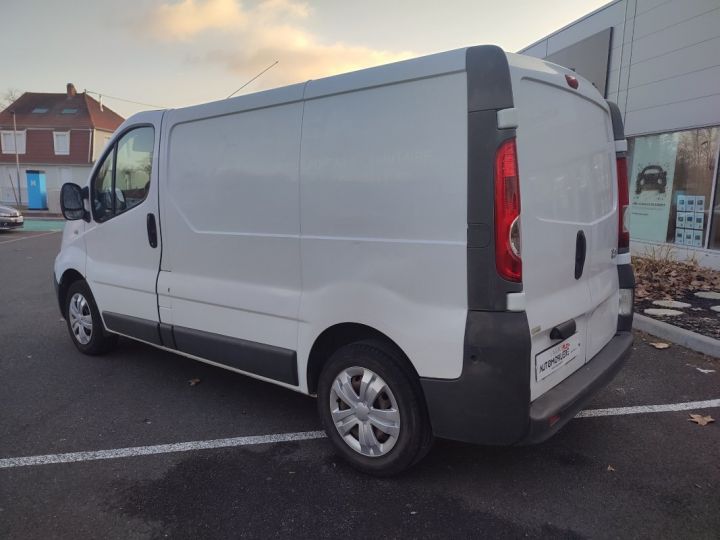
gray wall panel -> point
(683, 115)
(694, 58)
(687, 87)
(670, 14)
(612, 15)
(647, 5)
(588, 57)
(680, 35)
(613, 81)
(615, 55)
(539, 50)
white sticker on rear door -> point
(552, 359)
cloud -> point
(189, 18)
(245, 40)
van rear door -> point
(568, 190)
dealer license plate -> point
(554, 358)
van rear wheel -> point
(372, 409)
(84, 323)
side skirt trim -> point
(260, 359)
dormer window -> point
(40, 110)
(68, 111)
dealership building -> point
(659, 60)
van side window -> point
(132, 168)
(102, 197)
(123, 180)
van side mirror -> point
(71, 202)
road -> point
(651, 475)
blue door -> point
(37, 192)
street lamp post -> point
(17, 159)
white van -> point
(358, 238)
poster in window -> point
(651, 186)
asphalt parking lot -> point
(623, 475)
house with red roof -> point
(54, 136)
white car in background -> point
(10, 218)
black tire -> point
(415, 434)
(100, 340)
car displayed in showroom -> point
(10, 218)
(652, 177)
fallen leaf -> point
(660, 345)
(194, 382)
(701, 420)
(611, 468)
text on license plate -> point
(552, 359)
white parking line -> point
(158, 449)
(29, 237)
(641, 409)
(134, 451)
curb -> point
(680, 336)
(43, 216)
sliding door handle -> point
(152, 230)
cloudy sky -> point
(172, 53)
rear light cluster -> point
(507, 213)
(623, 203)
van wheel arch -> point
(339, 335)
(69, 277)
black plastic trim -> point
(260, 359)
(56, 285)
(489, 90)
(488, 78)
(489, 403)
(626, 280)
(617, 122)
(134, 327)
(618, 135)
(166, 336)
(560, 404)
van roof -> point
(405, 70)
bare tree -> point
(8, 96)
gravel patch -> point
(703, 317)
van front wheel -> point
(372, 410)
(84, 322)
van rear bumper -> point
(560, 404)
(490, 402)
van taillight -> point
(623, 203)
(507, 213)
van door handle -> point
(580, 251)
(152, 230)
(564, 330)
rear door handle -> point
(152, 230)
(580, 251)
(564, 330)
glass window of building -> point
(671, 182)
